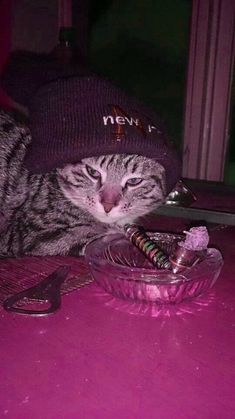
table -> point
(104, 358)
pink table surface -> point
(104, 358)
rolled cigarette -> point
(147, 246)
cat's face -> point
(114, 188)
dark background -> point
(143, 46)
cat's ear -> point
(64, 171)
(60, 171)
(67, 168)
(160, 170)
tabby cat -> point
(59, 212)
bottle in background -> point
(65, 51)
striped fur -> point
(59, 212)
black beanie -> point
(77, 117)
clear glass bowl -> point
(122, 270)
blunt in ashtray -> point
(149, 247)
(190, 251)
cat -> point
(58, 213)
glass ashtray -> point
(122, 270)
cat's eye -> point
(95, 174)
(134, 181)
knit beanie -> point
(73, 118)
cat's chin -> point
(118, 220)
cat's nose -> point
(108, 206)
(109, 198)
